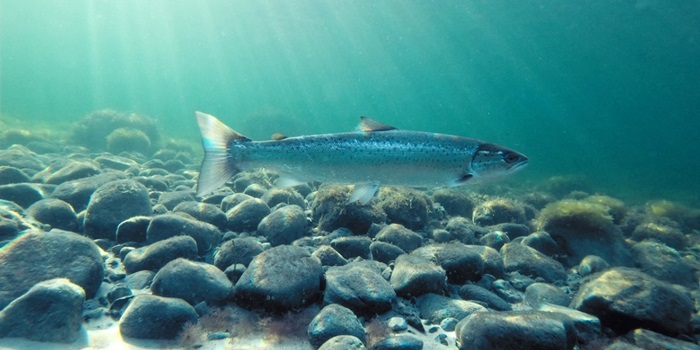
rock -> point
(237, 251)
(78, 192)
(352, 246)
(172, 199)
(111, 161)
(400, 236)
(534, 330)
(154, 256)
(530, 262)
(434, 308)
(72, 171)
(38, 256)
(494, 239)
(542, 242)
(414, 276)
(463, 262)
(255, 190)
(165, 226)
(540, 293)
(472, 292)
(284, 225)
(12, 175)
(283, 195)
(667, 235)
(399, 342)
(591, 264)
(405, 206)
(279, 279)
(587, 326)
(24, 194)
(397, 324)
(139, 280)
(646, 339)
(625, 299)
(54, 212)
(664, 263)
(329, 256)
(133, 229)
(583, 228)
(361, 289)
(506, 291)
(498, 211)
(232, 200)
(128, 140)
(192, 281)
(246, 215)
(343, 342)
(203, 212)
(384, 252)
(113, 203)
(512, 230)
(334, 320)
(331, 210)
(154, 317)
(464, 231)
(50, 311)
(455, 203)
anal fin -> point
(363, 193)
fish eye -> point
(511, 157)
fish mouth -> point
(517, 166)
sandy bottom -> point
(111, 339)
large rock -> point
(358, 288)
(334, 320)
(529, 330)
(154, 256)
(246, 216)
(192, 281)
(414, 276)
(73, 171)
(583, 228)
(463, 262)
(435, 308)
(205, 212)
(400, 236)
(78, 192)
(625, 299)
(530, 262)
(113, 203)
(54, 212)
(237, 251)
(663, 262)
(165, 226)
(280, 279)
(482, 295)
(24, 194)
(38, 256)
(51, 311)
(284, 225)
(154, 317)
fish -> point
(372, 155)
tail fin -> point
(217, 166)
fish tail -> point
(218, 165)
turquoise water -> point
(606, 90)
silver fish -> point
(374, 154)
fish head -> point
(492, 160)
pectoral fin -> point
(363, 193)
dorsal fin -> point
(369, 125)
(277, 136)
